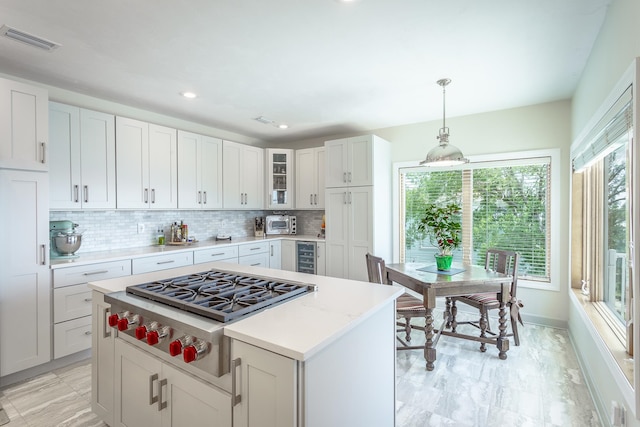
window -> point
(602, 200)
(505, 204)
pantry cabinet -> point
(358, 217)
(310, 178)
(147, 165)
(23, 126)
(25, 301)
(243, 176)
(83, 158)
(152, 393)
(199, 171)
(279, 178)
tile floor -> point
(540, 384)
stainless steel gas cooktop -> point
(220, 295)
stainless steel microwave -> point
(280, 224)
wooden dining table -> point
(463, 279)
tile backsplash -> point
(116, 229)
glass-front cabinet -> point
(279, 178)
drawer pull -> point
(87, 300)
(256, 264)
(166, 262)
(91, 273)
(255, 249)
(221, 253)
(87, 333)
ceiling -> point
(324, 67)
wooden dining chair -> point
(407, 306)
(500, 261)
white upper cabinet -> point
(310, 171)
(23, 126)
(243, 176)
(146, 165)
(279, 174)
(83, 165)
(199, 171)
(350, 161)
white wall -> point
(615, 49)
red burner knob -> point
(175, 348)
(113, 320)
(190, 354)
(141, 332)
(152, 337)
(123, 324)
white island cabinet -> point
(313, 361)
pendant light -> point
(444, 154)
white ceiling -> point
(322, 66)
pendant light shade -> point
(444, 154)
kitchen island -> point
(316, 360)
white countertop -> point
(85, 258)
(298, 328)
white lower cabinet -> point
(275, 254)
(268, 388)
(255, 254)
(288, 255)
(321, 262)
(152, 393)
(161, 262)
(102, 360)
(225, 253)
(72, 303)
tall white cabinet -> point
(146, 165)
(242, 176)
(358, 204)
(199, 171)
(23, 126)
(83, 158)
(310, 179)
(25, 302)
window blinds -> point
(606, 135)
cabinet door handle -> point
(350, 197)
(153, 195)
(271, 250)
(43, 254)
(235, 398)
(146, 195)
(76, 194)
(165, 262)
(161, 404)
(199, 197)
(344, 198)
(315, 199)
(106, 330)
(349, 175)
(86, 193)
(310, 199)
(87, 333)
(43, 147)
(87, 300)
(91, 273)
(152, 399)
(344, 177)
(204, 194)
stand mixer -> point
(65, 240)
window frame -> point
(554, 216)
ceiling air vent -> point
(30, 39)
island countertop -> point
(298, 328)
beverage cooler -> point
(306, 257)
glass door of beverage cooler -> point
(280, 170)
(306, 257)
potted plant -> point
(442, 224)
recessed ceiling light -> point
(189, 95)
(283, 126)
